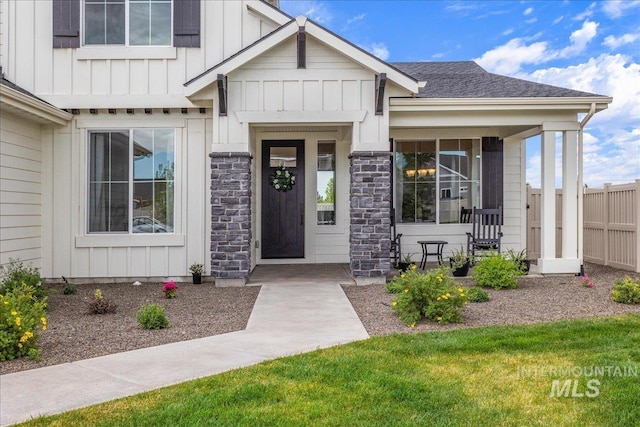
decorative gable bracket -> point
(381, 81)
(222, 94)
(302, 47)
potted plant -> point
(520, 259)
(196, 272)
(406, 263)
(459, 262)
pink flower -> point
(169, 286)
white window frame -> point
(437, 177)
(126, 30)
(130, 129)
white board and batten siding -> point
(117, 76)
(20, 190)
(74, 252)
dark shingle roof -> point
(466, 79)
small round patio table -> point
(439, 246)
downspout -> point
(583, 122)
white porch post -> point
(548, 202)
(570, 196)
(568, 262)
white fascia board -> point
(579, 104)
(269, 12)
(234, 62)
(22, 102)
(363, 58)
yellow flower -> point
(438, 299)
(18, 321)
(439, 319)
(6, 303)
(26, 336)
(413, 266)
(448, 294)
(413, 325)
(19, 345)
(44, 328)
(403, 275)
(439, 278)
(43, 320)
(406, 290)
(394, 303)
(14, 313)
(460, 290)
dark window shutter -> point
(186, 23)
(492, 172)
(66, 23)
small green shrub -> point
(69, 289)
(152, 316)
(626, 291)
(433, 295)
(22, 317)
(496, 271)
(477, 295)
(99, 304)
(16, 274)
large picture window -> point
(127, 22)
(131, 181)
(435, 179)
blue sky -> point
(593, 46)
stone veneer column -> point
(230, 218)
(370, 220)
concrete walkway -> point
(289, 317)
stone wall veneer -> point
(370, 215)
(231, 215)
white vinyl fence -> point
(611, 225)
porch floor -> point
(301, 273)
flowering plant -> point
(169, 289)
(434, 295)
(586, 281)
(282, 179)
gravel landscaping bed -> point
(73, 334)
(537, 299)
(204, 310)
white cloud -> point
(580, 39)
(612, 75)
(315, 10)
(438, 55)
(528, 11)
(531, 20)
(507, 31)
(615, 9)
(615, 42)
(557, 20)
(510, 57)
(377, 49)
(356, 18)
(587, 13)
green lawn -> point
(470, 377)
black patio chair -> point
(486, 231)
(465, 215)
(396, 245)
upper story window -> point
(127, 22)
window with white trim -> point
(128, 22)
(449, 168)
(131, 181)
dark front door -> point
(282, 211)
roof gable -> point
(288, 30)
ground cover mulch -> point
(537, 299)
(197, 311)
(205, 310)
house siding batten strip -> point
(370, 216)
(230, 218)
